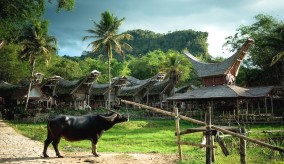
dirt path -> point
(15, 148)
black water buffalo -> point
(76, 128)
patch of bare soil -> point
(15, 148)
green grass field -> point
(157, 136)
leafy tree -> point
(120, 68)
(268, 36)
(106, 33)
(277, 40)
(12, 70)
(35, 44)
(171, 62)
(176, 66)
(67, 69)
(148, 65)
(16, 14)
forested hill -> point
(145, 41)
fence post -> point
(243, 146)
(208, 135)
(178, 134)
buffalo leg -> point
(55, 146)
(46, 143)
(94, 148)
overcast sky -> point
(220, 18)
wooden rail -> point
(203, 123)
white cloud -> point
(216, 39)
(219, 18)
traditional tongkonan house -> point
(220, 92)
(99, 92)
(220, 73)
(14, 96)
(75, 94)
(6, 90)
(159, 92)
(48, 88)
(137, 89)
(19, 96)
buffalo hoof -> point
(45, 155)
(60, 156)
(96, 154)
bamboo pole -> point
(203, 123)
(164, 112)
(178, 134)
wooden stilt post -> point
(238, 110)
(265, 103)
(247, 111)
(208, 135)
(243, 145)
(271, 101)
(178, 134)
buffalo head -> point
(114, 117)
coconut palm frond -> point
(127, 47)
(277, 58)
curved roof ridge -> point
(210, 69)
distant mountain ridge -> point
(145, 41)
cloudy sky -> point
(220, 18)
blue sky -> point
(220, 18)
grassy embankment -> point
(157, 136)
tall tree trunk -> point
(30, 85)
(109, 85)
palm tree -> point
(106, 33)
(174, 67)
(36, 43)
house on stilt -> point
(228, 101)
(71, 94)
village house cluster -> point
(228, 101)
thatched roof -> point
(160, 87)
(6, 88)
(223, 91)
(213, 69)
(183, 89)
(134, 90)
(21, 93)
(134, 81)
(135, 86)
(65, 87)
(101, 89)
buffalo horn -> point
(110, 118)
